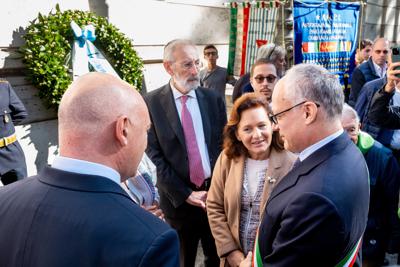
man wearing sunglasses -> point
(374, 68)
(263, 78)
(317, 214)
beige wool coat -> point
(224, 197)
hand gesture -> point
(391, 73)
(247, 261)
(198, 198)
(155, 209)
(235, 258)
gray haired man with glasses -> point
(184, 141)
(317, 214)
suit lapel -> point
(168, 104)
(310, 163)
(204, 110)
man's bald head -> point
(380, 51)
(95, 99)
(93, 111)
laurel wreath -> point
(47, 52)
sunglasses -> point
(385, 52)
(260, 79)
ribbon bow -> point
(87, 34)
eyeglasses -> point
(385, 52)
(214, 53)
(260, 79)
(190, 64)
(274, 117)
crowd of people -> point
(293, 176)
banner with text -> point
(326, 34)
(251, 25)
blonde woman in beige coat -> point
(252, 163)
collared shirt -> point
(381, 71)
(85, 167)
(311, 149)
(395, 142)
(194, 109)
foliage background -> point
(48, 48)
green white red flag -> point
(251, 25)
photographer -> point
(385, 106)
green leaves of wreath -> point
(48, 48)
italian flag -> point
(347, 261)
(317, 47)
(251, 25)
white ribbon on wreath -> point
(85, 53)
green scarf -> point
(365, 142)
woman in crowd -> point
(251, 164)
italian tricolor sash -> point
(347, 261)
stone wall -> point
(149, 23)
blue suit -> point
(361, 75)
(318, 212)
(60, 218)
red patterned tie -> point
(195, 164)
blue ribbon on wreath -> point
(83, 35)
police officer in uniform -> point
(12, 158)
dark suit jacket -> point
(11, 157)
(381, 134)
(167, 149)
(365, 72)
(382, 113)
(318, 212)
(60, 218)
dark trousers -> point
(12, 176)
(190, 233)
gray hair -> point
(351, 112)
(271, 52)
(171, 46)
(314, 83)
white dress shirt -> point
(194, 109)
(85, 167)
(311, 149)
(381, 71)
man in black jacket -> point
(381, 112)
(373, 69)
(12, 158)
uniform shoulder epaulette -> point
(3, 80)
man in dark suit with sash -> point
(184, 142)
(317, 214)
(75, 213)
